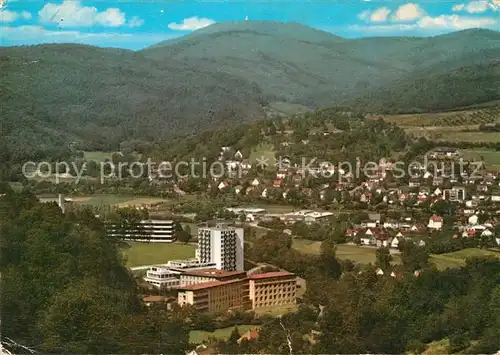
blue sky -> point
(138, 24)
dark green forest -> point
(65, 288)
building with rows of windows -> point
(255, 292)
(151, 230)
(223, 246)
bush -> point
(458, 342)
(416, 346)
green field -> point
(344, 251)
(117, 200)
(453, 134)
(452, 119)
(157, 253)
(199, 336)
(457, 258)
(263, 153)
(365, 255)
(491, 157)
(97, 156)
(16, 186)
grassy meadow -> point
(491, 157)
(264, 152)
(452, 126)
(138, 254)
(366, 255)
(97, 156)
(200, 336)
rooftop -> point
(206, 285)
(270, 275)
(213, 272)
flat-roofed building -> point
(215, 296)
(272, 289)
(192, 277)
(162, 277)
(151, 230)
(169, 275)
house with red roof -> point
(435, 222)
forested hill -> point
(292, 62)
(57, 95)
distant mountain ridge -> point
(229, 73)
(301, 68)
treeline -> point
(65, 288)
(420, 92)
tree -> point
(328, 263)
(413, 257)
(384, 258)
(235, 335)
(182, 234)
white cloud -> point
(135, 22)
(455, 22)
(380, 15)
(191, 24)
(458, 7)
(384, 28)
(26, 15)
(37, 34)
(477, 7)
(365, 15)
(438, 24)
(7, 16)
(71, 13)
(408, 12)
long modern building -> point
(272, 289)
(257, 291)
(215, 296)
(151, 230)
(223, 246)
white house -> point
(486, 233)
(395, 242)
(264, 193)
(435, 222)
(255, 182)
(238, 155)
(222, 185)
(473, 219)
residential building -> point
(250, 335)
(223, 246)
(272, 289)
(215, 296)
(454, 194)
(435, 222)
(151, 230)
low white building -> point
(162, 277)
